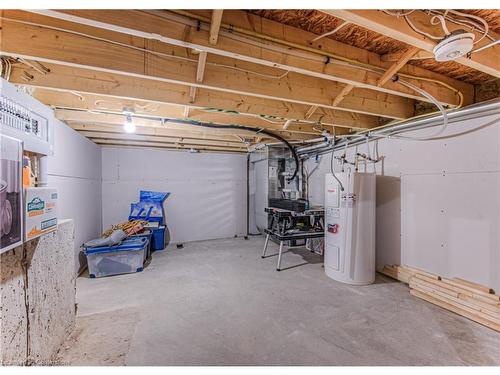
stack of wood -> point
(471, 300)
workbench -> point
(286, 225)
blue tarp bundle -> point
(150, 207)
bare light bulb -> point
(129, 126)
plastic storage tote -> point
(128, 257)
(148, 235)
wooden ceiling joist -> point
(200, 72)
(225, 67)
(486, 61)
(389, 73)
(163, 140)
(293, 37)
(156, 145)
(85, 117)
(396, 56)
(310, 112)
(96, 104)
(52, 47)
(342, 94)
(157, 132)
(270, 54)
(116, 85)
(215, 25)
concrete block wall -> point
(37, 292)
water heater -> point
(350, 227)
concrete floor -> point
(218, 303)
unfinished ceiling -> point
(270, 69)
(320, 23)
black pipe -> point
(248, 128)
(248, 194)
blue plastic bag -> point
(150, 207)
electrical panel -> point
(22, 119)
(25, 118)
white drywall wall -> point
(75, 170)
(438, 202)
(208, 190)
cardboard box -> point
(40, 213)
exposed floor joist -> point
(94, 135)
(159, 132)
(84, 117)
(97, 104)
(342, 94)
(271, 54)
(230, 67)
(200, 72)
(121, 143)
(389, 73)
(486, 61)
(115, 85)
(51, 47)
(294, 38)
(215, 26)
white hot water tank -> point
(350, 227)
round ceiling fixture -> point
(453, 46)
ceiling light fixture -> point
(128, 125)
(453, 46)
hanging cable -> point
(466, 15)
(469, 24)
(396, 14)
(343, 24)
(414, 28)
(485, 46)
(440, 19)
(433, 100)
(332, 169)
(248, 128)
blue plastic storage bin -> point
(128, 257)
(159, 238)
(148, 235)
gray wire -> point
(331, 163)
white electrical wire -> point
(410, 23)
(436, 103)
(343, 24)
(485, 24)
(469, 24)
(440, 19)
(485, 46)
(396, 14)
(332, 168)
